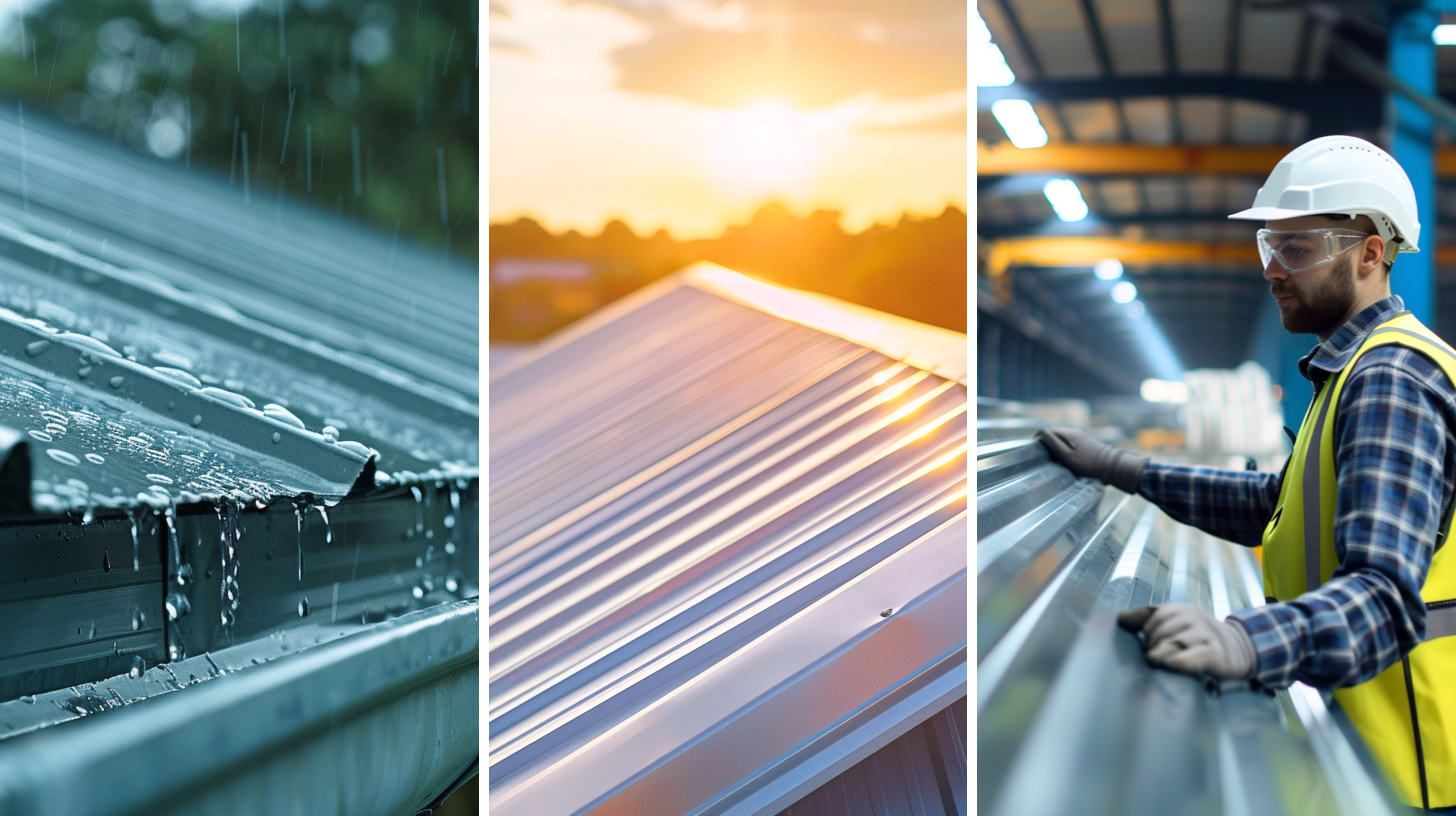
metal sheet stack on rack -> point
(1063, 694)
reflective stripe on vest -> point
(1407, 713)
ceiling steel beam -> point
(1086, 251)
(1080, 251)
(1147, 160)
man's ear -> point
(1372, 255)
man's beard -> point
(1323, 309)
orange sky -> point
(690, 114)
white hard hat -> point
(1341, 174)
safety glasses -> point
(1299, 250)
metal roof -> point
(727, 550)
(165, 340)
(1063, 694)
(238, 496)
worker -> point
(1361, 594)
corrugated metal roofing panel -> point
(193, 385)
(709, 516)
(1063, 694)
(157, 351)
(285, 265)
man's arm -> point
(1391, 447)
(1231, 504)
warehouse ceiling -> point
(1210, 93)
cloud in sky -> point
(810, 53)
(579, 136)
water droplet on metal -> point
(196, 420)
(277, 437)
(40, 436)
(96, 458)
(117, 381)
(37, 348)
(303, 607)
(63, 457)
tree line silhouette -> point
(915, 268)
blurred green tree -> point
(366, 107)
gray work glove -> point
(1082, 453)
(1186, 638)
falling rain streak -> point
(358, 173)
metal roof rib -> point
(725, 511)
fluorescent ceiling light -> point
(1124, 292)
(990, 64)
(1108, 269)
(1444, 35)
(1066, 199)
(1018, 118)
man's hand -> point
(1082, 453)
(1187, 639)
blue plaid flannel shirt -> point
(1395, 464)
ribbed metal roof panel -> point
(679, 491)
(163, 341)
(1063, 694)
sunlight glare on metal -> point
(990, 64)
(1124, 292)
(884, 376)
(1018, 118)
(1066, 199)
(899, 388)
(1444, 34)
(1107, 269)
(1170, 391)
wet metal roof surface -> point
(166, 339)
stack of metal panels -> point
(727, 559)
(1064, 694)
(237, 532)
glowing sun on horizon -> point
(765, 149)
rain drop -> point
(37, 348)
(117, 381)
(105, 561)
(40, 436)
(96, 458)
(303, 607)
(63, 457)
(277, 437)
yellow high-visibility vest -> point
(1407, 713)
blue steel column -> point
(1413, 59)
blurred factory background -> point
(1114, 137)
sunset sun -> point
(761, 150)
